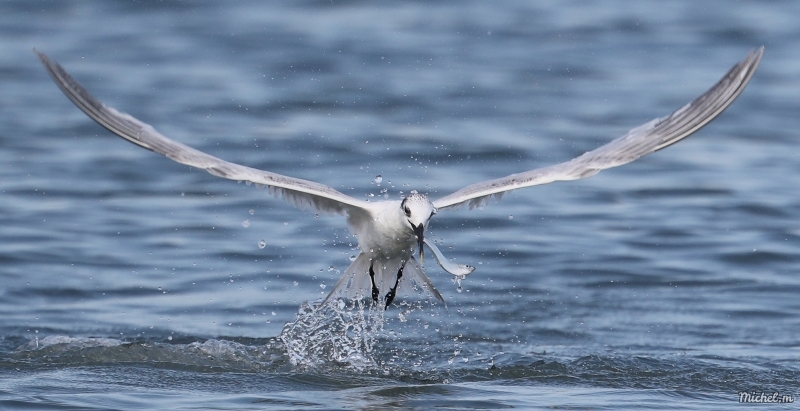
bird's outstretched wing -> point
(300, 193)
(642, 140)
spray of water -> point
(339, 332)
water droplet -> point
(246, 223)
(511, 217)
(378, 179)
(273, 313)
(352, 258)
(169, 338)
(262, 244)
(252, 211)
(295, 283)
(322, 286)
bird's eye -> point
(407, 211)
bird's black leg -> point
(375, 292)
(390, 294)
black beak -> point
(419, 231)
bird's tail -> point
(356, 282)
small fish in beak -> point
(456, 269)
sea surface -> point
(130, 282)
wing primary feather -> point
(640, 141)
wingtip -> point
(750, 64)
(42, 57)
(755, 56)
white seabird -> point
(388, 231)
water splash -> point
(458, 280)
(339, 332)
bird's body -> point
(388, 245)
(388, 232)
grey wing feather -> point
(298, 192)
(645, 139)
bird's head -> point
(418, 210)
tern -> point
(389, 231)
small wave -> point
(75, 342)
(211, 354)
(309, 348)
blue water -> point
(128, 281)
